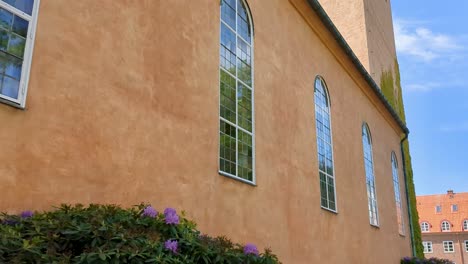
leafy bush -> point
(408, 260)
(110, 234)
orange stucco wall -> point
(123, 108)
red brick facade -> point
(451, 208)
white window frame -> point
(466, 245)
(373, 222)
(447, 245)
(427, 245)
(445, 226)
(327, 94)
(465, 225)
(396, 187)
(237, 126)
(20, 102)
(425, 227)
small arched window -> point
(396, 187)
(424, 227)
(445, 226)
(370, 179)
(324, 145)
(465, 226)
(237, 148)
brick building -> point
(444, 225)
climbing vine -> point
(395, 97)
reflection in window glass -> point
(370, 179)
(448, 246)
(324, 145)
(396, 187)
(236, 91)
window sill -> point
(12, 104)
(237, 178)
(329, 210)
(375, 226)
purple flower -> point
(250, 249)
(149, 211)
(169, 211)
(27, 214)
(171, 217)
(171, 245)
(10, 222)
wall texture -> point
(123, 108)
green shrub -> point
(110, 234)
(408, 260)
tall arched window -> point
(396, 187)
(424, 227)
(236, 154)
(324, 145)
(370, 179)
(445, 226)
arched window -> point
(324, 145)
(396, 187)
(445, 226)
(424, 227)
(236, 92)
(370, 179)
(465, 225)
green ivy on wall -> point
(395, 97)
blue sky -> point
(432, 48)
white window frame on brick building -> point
(15, 59)
(427, 245)
(448, 247)
(465, 225)
(425, 227)
(445, 226)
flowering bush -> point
(408, 260)
(110, 234)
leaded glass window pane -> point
(324, 146)
(236, 92)
(370, 179)
(396, 187)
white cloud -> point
(421, 42)
(422, 87)
(460, 127)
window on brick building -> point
(438, 209)
(424, 227)
(466, 245)
(427, 245)
(17, 28)
(448, 247)
(324, 145)
(370, 179)
(465, 225)
(454, 208)
(445, 226)
(237, 148)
